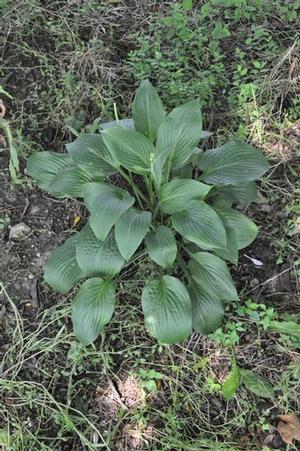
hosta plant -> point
(171, 201)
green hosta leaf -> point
(233, 163)
(167, 308)
(93, 189)
(124, 123)
(257, 384)
(159, 163)
(231, 252)
(180, 133)
(92, 309)
(130, 230)
(148, 110)
(62, 271)
(130, 148)
(200, 224)
(245, 229)
(89, 152)
(96, 257)
(230, 386)
(207, 313)
(175, 195)
(161, 246)
(157, 167)
(237, 194)
(106, 209)
(43, 166)
(213, 276)
(69, 182)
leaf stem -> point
(116, 113)
(139, 194)
(169, 165)
(150, 189)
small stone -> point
(254, 283)
(19, 231)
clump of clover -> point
(180, 212)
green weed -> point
(224, 62)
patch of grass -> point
(64, 65)
(240, 58)
(35, 415)
(50, 385)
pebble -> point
(19, 231)
(254, 283)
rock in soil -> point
(19, 232)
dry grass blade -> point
(2, 109)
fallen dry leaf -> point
(2, 108)
(289, 428)
(77, 219)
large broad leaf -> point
(233, 163)
(231, 252)
(62, 271)
(237, 194)
(106, 209)
(213, 276)
(89, 152)
(167, 309)
(93, 189)
(158, 165)
(196, 156)
(96, 257)
(257, 384)
(200, 224)
(130, 148)
(175, 195)
(148, 110)
(180, 133)
(43, 166)
(245, 229)
(92, 309)
(70, 182)
(207, 312)
(130, 231)
(230, 386)
(124, 123)
(161, 246)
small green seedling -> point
(175, 203)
